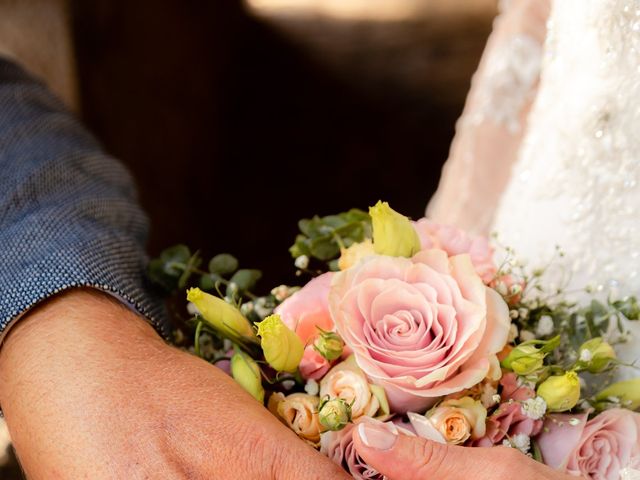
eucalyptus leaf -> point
(208, 282)
(173, 258)
(223, 264)
(246, 279)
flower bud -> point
(393, 234)
(595, 355)
(221, 315)
(329, 345)
(560, 392)
(524, 360)
(282, 348)
(334, 414)
(625, 393)
(356, 252)
(246, 372)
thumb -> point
(401, 457)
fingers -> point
(401, 457)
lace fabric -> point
(489, 133)
(568, 173)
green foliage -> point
(243, 281)
(223, 264)
(177, 268)
(322, 237)
(173, 268)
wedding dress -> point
(548, 149)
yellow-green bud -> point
(329, 345)
(393, 234)
(282, 348)
(221, 315)
(625, 393)
(334, 414)
(524, 360)
(595, 355)
(246, 372)
(560, 392)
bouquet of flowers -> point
(413, 324)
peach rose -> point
(299, 412)
(304, 311)
(456, 242)
(346, 381)
(607, 447)
(421, 328)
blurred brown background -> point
(237, 119)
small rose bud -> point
(282, 348)
(334, 414)
(246, 372)
(329, 345)
(524, 360)
(626, 392)
(393, 233)
(221, 315)
(560, 392)
(595, 355)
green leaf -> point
(246, 279)
(223, 264)
(173, 258)
(208, 282)
(629, 307)
(333, 265)
(324, 249)
(157, 275)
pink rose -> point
(602, 449)
(303, 312)
(456, 242)
(511, 390)
(422, 327)
(313, 365)
(506, 422)
(338, 446)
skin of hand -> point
(401, 457)
(89, 390)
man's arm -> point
(88, 388)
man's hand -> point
(90, 391)
(400, 457)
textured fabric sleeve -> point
(68, 211)
(490, 131)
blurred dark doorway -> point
(237, 123)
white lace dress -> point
(559, 162)
(576, 181)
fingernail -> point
(377, 436)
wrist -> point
(74, 326)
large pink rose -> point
(422, 327)
(456, 242)
(303, 312)
(602, 449)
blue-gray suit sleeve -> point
(68, 211)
